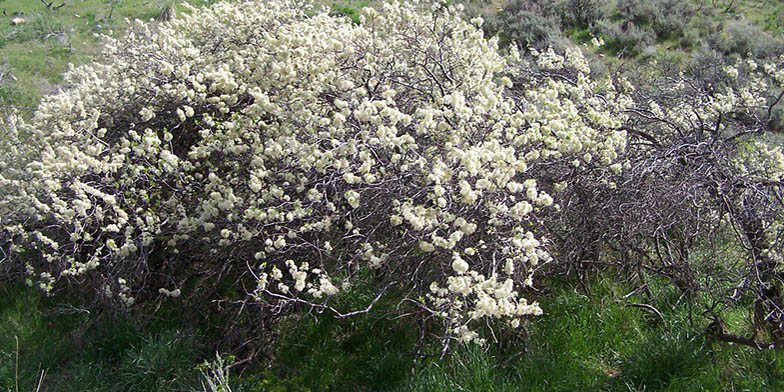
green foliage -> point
(742, 38)
(351, 9)
(637, 24)
(529, 23)
(628, 38)
(774, 19)
(469, 368)
(639, 12)
(582, 14)
(595, 342)
(666, 18)
(633, 27)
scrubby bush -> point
(582, 13)
(528, 23)
(744, 39)
(674, 18)
(539, 24)
(667, 18)
(626, 38)
(639, 12)
(699, 201)
(291, 156)
(691, 39)
(637, 24)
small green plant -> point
(215, 374)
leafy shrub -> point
(529, 23)
(674, 18)
(269, 159)
(691, 39)
(774, 21)
(639, 12)
(582, 13)
(661, 19)
(742, 38)
(699, 199)
(538, 23)
(625, 38)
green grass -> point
(327, 354)
(582, 342)
(599, 343)
(87, 352)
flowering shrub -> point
(302, 154)
(699, 198)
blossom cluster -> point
(305, 150)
